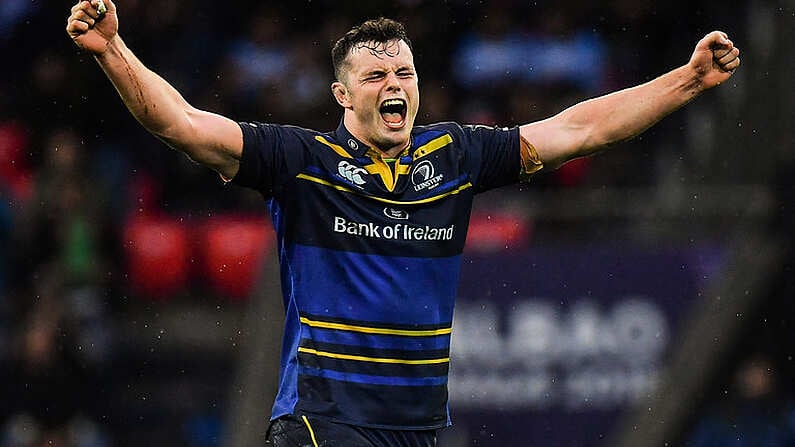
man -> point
(371, 218)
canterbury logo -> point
(351, 173)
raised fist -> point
(715, 59)
(93, 25)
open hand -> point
(715, 59)
(89, 29)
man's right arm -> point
(207, 138)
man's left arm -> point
(595, 124)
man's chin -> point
(393, 139)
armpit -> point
(531, 162)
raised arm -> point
(595, 124)
(207, 138)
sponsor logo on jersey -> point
(394, 213)
(423, 176)
(351, 173)
(398, 231)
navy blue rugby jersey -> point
(370, 256)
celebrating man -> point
(371, 218)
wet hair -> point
(376, 35)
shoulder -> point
(461, 129)
(272, 128)
(429, 132)
(444, 126)
(270, 136)
(466, 135)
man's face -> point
(380, 94)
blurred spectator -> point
(754, 416)
(259, 63)
(57, 354)
(6, 227)
(15, 172)
(61, 343)
(63, 222)
(501, 53)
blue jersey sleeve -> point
(491, 156)
(272, 155)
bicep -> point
(555, 139)
(215, 141)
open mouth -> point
(393, 112)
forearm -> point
(626, 113)
(597, 123)
(207, 138)
(150, 99)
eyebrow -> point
(380, 71)
(374, 72)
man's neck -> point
(390, 152)
(394, 152)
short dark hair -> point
(379, 31)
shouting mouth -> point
(393, 113)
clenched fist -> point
(715, 59)
(90, 28)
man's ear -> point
(340, 93)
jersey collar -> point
(353, 145)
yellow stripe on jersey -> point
(311, 432)
(401, 169)
(381, 168)
(376, 330)
(433, 145)
(381, 199)
(337, 148)
(362, 358)
(389, 173)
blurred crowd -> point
(76, 169)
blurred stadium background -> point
(639, 298)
